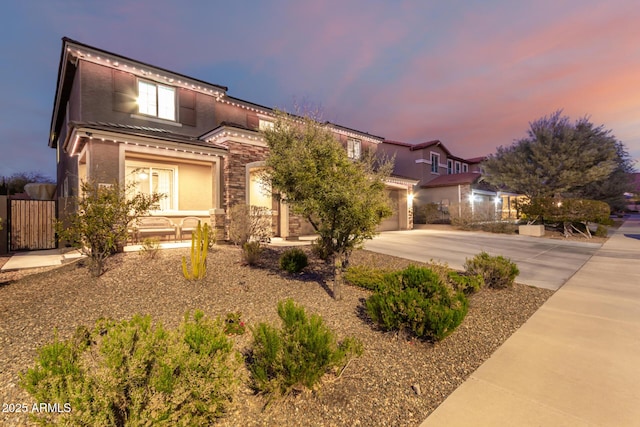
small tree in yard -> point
(100, 224)
(344, 200)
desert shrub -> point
(150, 247)
(99, 226)
(293, 260)
(418, 301)
(249, 224)
(319, 249)
(297, 355)
(233, 325)
(601, 231)
(365, 277)
(497, 271)
(427, 213)
(251, 252)
(136, 373)
(503, 227)
(466, 283)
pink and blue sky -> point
(472, 74)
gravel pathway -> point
(378, 388)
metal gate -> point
(32, 224)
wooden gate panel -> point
(32, 224)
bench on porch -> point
(156, 226)
(188, 225)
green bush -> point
(497, 271)
(293, 260)
(136, 373)
(365, 277)
(319, 249)
(150, 247)
(466, 283)
(251, 252)
(297, 355)
(601, 231)
(99, 227)
(417, 300)
(233, 325)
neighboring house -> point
(446, 180)
(116, 119)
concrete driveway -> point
(544, 263)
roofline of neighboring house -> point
(421, 145)
(464, 178)
(436, 142)
(402, 179)
(476, 160)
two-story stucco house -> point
(116, 119)
(446, 180)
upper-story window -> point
(156, 100)
(435, 160)
(457, 167)
(449, 166)
(265, 124)
(354, 148)
(465, 167)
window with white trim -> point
(449, 166)
(465, 167)
(435, 160)
(149, 179)
(457, 167)
(265, 124)
(354, 148)
(156, 100)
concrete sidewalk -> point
(575, 362)
(36, 259)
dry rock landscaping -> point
(398, 381)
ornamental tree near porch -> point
(343, 199)
(99, 226)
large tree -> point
(344, 200)
(557, 157)
(611, 189)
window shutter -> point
(124, 92)
(253, 122)
(187, 102)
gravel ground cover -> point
(397, 381)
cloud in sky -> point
(470, 73)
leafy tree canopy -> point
(344, 200)
(611, 190)
(557, 157)
(15, 183)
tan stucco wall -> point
(195, 187)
